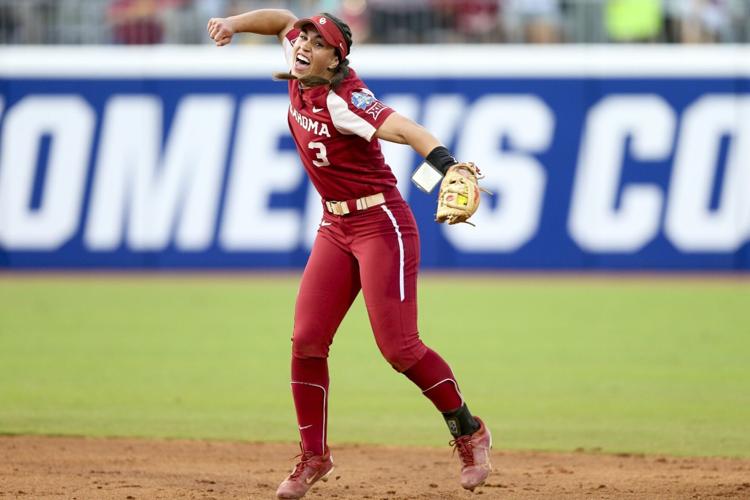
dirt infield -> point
(128, 469)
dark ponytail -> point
(342, 70)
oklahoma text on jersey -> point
(309, 124)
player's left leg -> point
(388, 256)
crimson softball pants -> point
(376, 251)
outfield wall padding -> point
(600, 157)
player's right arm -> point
(276, 22)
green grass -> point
(627, 366)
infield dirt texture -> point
(46, 467)
(625, 387)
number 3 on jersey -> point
(322, 160)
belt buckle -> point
(336, 207)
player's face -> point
(313, 56)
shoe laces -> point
(304, 460)
(465, 449)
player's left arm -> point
(459, 192)
(401, 130)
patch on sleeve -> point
(366, 101)
(362, 99)
(375, 110)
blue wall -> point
(589, 173)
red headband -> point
(329, 31)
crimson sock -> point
(433, 375)
(310, 393)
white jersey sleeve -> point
(357, 112)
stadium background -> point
(177, 156)
(616, 135)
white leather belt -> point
(348, 206)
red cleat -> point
(474, 452)
(307, 472)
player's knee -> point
(309, 343)
(399, 357)
(401, 350)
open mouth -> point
(301, 63)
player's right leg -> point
(329, 285)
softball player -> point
(367, 239)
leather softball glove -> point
(459, 194)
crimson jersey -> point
(333, 130)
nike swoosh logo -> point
(317, 110)
(305, 427)
(311, 480)
(324, 223)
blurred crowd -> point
(387, 21)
